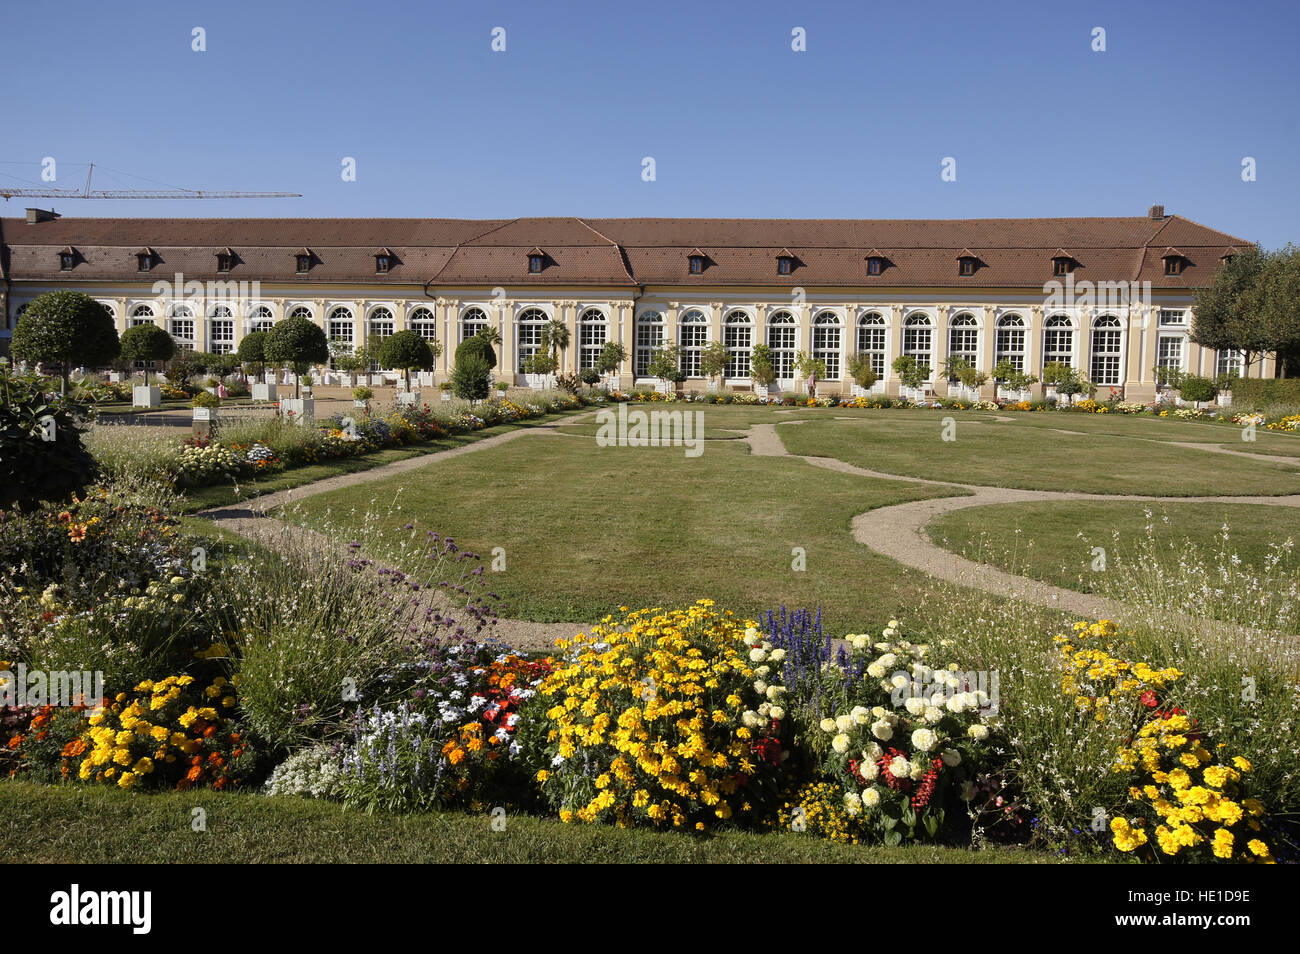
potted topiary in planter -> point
(612, 356)
(912, 376)
(361, 397)
(810, 369)
(445, 388)
(863, 374)
(204, 406)
(762, 370)
(1197, 390)
(539, 370)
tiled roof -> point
(620, 252)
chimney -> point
(41, 215)
(1157, 212)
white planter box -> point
(264, 392)
(664, 387)
(143, 396)
(301, 409)
(364, 404)
(205, 414)
(612, 383)
(710, 386)
(1224, 399)
(115, 377)
(446, 395)
(409, 397)
(541, 382)
(1050, 393)
(424, 379)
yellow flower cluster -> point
(1097, 680)
(819, 809)
(1198, 801)
(663, 717)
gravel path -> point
(251, 519)
(898, 530)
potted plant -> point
(502, 387)
(912, 376)
(863, 374)
(589, 376)
(611, 358)
(714, 359)
(361, 397)
(1197, 390)
(204, 405)
(664, 365)
(445, 388)
(762, 370)
(539, 370)
(810, 369)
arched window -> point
(826, 342)
(1107, 350)
(593, 332)
(472, 321)
(423, 324)
(1009, 343)
(381, 324)
(649, 339)
(1058, 340)
(221, 330)
(302, 311)
(917, 340)
(872, 332)
(181, 326)
(109, 308)
(694, 336)
(140, 314)
(783, 338)
(261, 319)
(341, 327)
(530, 323)
(964, 339)
(738, 336)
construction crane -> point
(87, 193)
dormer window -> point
(966, 265)
(1062, 266)
(303, 257)
(67, 258)
(1173, 265)
(874, 265)
(534, 264)
(225, 261)
(143, 260)
(697, 264)
(381, 264)
(784, 265)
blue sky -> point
(738, 123)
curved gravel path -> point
(898, 530)
(252, 519)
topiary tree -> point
(407, 351)
(68, 327)
(476, 344)
(811, 368)
(471, 378)
(761, 366)
(147, 343)
(665, 364)
(911, 373)
(1195, 388)
(41, 453)
(714, 358)
(252, 352)
(589, 376)
(296, 343)
(862, 372)
(612, 356)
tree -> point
(471, 378)
(861, 371)
(714, 358)
(68, 327)
(761, 366)
(665, 364)
(147, 343)
(810, 368)
(911, 373)
(476, 344)
(1226, 314)
(407, 351)
(555, 338)
(347, 359)
(41, 452)
(612, 356)
(296, 343)
(489, 334)
(252, 351)
(1277, 304)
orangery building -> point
(1110, 296)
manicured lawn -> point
(218, 495)
(586, 529)
(84, 824)
(1042, 540)
(1037, 457)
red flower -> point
(1149, 699)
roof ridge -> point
(622, 257)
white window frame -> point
(919, 326)
(1105, 333)
(1011, 340)
(648, 337)
(873, 341)
(593, 332)
(1052, 352)
(530, 322)
(738, 336)
(828, 343)
(968, 326)
(783, 340)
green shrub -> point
(205, 399)
(476, 345)
(147, 343)
(66, 327)
(42, 456)
(470, 377)
(1196, 388)
(1257, 392)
